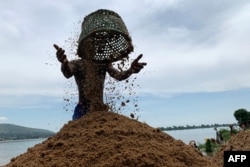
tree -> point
(242, 116)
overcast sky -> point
(197, 53)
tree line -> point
(181, 127)
(241, 115)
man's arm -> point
(122, 75)
(67, 67)
(118, 75)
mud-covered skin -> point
(90, 79)
(90, 76)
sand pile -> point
(107, 139)
(238, 142)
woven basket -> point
(109, 36)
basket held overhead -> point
(105, 32)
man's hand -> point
(136, 66)
(60, 54)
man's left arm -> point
(135, 67)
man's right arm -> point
(67, 67)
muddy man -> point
(89, 73)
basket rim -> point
(102, 11)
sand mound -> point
(106, 139)
(239, 142)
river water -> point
(197, 135)
(13, 148)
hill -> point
(104, 139)
(15, 132)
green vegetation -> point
(210, 147)
(14, 132)
(226, 134)
(243, 117)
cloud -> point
(214, 57)
(3, 119)
(189, 45)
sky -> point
(197, 55)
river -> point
(13, 148)
(197, 135)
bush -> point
(209, 147)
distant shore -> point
(16, 132)
(10, 140)
(202, 126)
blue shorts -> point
(80, 110)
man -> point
(103, 40)
(90, 76)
